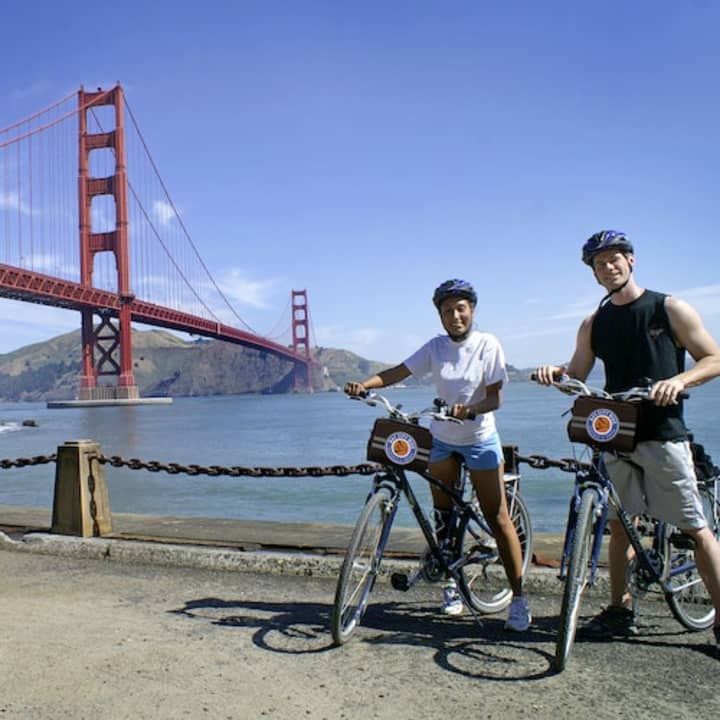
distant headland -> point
(168, 366)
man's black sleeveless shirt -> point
(635, 341)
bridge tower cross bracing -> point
(102, 345)
(301, 340)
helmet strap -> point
(612, 292)
(617, 289)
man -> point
(640, 334)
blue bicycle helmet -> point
(454, 288)
(605, 240)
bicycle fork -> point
(600, 510)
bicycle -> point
(400, 443)
(606, 423)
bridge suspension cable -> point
(177, 216)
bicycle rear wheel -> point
(361, 565)
(689, 600)
(482, 578)
(576, 578)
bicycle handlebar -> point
(438, 412)
(573, 386)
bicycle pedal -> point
(400, 582)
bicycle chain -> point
(541, 462)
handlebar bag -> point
(398, 443)
(604, 424)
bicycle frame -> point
(395, 480)
(649, 562)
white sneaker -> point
(452, 602)
(519, 617)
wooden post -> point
(81, 505)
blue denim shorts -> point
(485, 455)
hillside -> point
(165, 365)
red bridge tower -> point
(301, 340)
(101, 346)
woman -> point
(468, 368)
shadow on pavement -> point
(460, 644)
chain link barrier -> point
(6, 463)
(239, 471)
(538, 462)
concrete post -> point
(81, 505)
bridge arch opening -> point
(101, 163)
(103, 218)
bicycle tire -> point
(483, 583)
(690, 603)
(360, 567)
(575, 579)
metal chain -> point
(239, 471)
(541, 462)
(538, 462)
(24, 462)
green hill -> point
(165, 365)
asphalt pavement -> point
(89, 637)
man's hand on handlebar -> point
(667, 392)
(546, 374)
(355, 389)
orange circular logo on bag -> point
(401, 448)
(602, 425)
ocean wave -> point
(9, 427)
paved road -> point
(87, 638)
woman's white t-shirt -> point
(461, 371)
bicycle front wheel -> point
(361, 565)
(576, 578)
(689, 600)
(482, 578)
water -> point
(282, 430)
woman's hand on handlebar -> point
(461, 412)
(547, 374)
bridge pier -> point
(109, 392)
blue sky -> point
(368, 151)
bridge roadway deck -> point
(231, 544)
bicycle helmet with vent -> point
(605, 240)
(454, 288)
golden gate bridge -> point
(87, 224)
